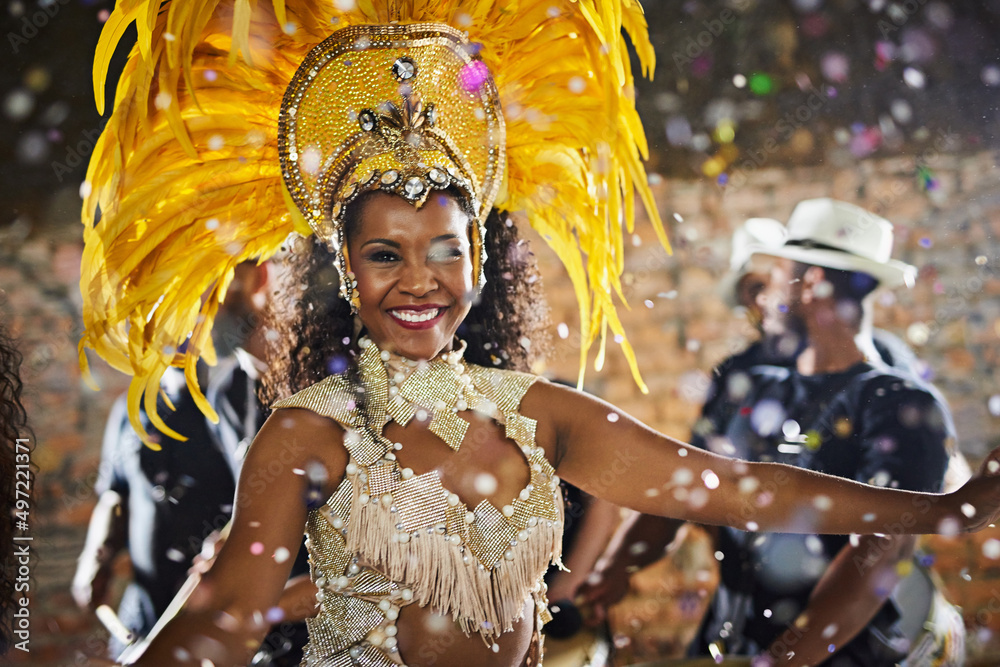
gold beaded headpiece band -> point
(237, 123)
(406, 109)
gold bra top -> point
(387, 538)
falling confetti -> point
(949, 527)
(835, 67)
(767, 417)
(761, 84)
(914, 78)
(993, 405)
(485, 484)
(822, 503)
(991, 75)
(473, 75)
(991, 549)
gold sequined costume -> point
(387, 538)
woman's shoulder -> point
(499, 383)
(333, 397)
(304, 428)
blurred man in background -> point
(161, 505)
(834, 407)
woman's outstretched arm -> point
(612, 456)
(226, 617)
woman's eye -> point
(445, 254)
(382, 256)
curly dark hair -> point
(13, 425)
(311, 331)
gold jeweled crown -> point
(407, 109)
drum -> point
(933, 626)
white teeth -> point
(416, 316)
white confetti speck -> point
(991, 549)
(994, 405)
(748, 484)
(949, 527)
(485, 484)
(682, 476)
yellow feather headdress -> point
(187, 180)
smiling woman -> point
(314, 333)
(407, 438)
(414, 272)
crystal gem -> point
(413, 186)
(366, 119)
(404, 69)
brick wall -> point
(680, 329)
(678, 325)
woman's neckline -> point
(399, 368)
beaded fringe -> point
(438, 574)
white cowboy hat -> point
(754, 233)
(838, 235)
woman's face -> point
(414, 272)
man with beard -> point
(810, 599)
(741, 289)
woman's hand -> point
(210, 549)
(978, 500)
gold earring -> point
(355, 300)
